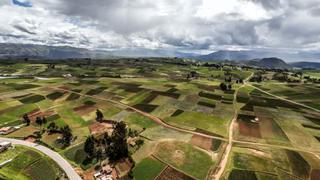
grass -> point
(177, 113)
(185, 157)
(199, 120)
(138, 121)
(55, 95)
(40, 169)
(96, 91)
(203, 103)
(70, 116)
(76, 154)
(28, 164)
(147, 169)
(252, 161)
(32, 99)
(16, 113)
(242, 174)
(22, 86)
(215, 144)
(210, 96)
(145, 107)
(299, 165)
(73, 96)
(159, 133)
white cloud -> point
(182, 25)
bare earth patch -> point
(84, 109)
(202, 142)
(100, 128)
(37, 113)
(178, 156)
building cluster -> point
(9, 129)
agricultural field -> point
(28, 164)
(251, 162)
(178, 118)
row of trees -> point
(65, 131)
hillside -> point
(306, 65)
(230, 55)
(270, 63)
(8, 50)
(49, 52)
(259, 54)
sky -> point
(177, 25)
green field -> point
(148, 169)
(28, 164)
(185, 157)
(163, 89)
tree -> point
(89, 146)
(223, 86)
(25, 119)
(39, 120)
(52, 127)
(66, 135)
(229, 86)
(99, 156)
(139, 142)
(44, 120)
(118, 147)
(99, 115)
(300, 73)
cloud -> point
(22, 3)
(163, 24)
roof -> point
(5, 143)
(5, 129)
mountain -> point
(47, 52)
(63, 52)
(270, 63)
(232, 55)
(306, 65)
(143, 52)
(259, 54)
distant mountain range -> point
(266, 59)
(64, 52)
(258, 54)
(252, 57)
(47, 52)
(306, 65)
